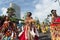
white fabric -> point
(12, 35)
(32, 32)
(22, 28)
(20, 33)
(37, 33)
(26, 36)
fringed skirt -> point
(55, 31)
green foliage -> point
(11, 12)
(1, 17)
(21, 19)
(13, 19)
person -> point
(14, 31)
(27, 28)
(55, 25)
(54, 15)
(6, 23)
(38, 26)
(43, 28)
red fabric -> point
(53, 25)
(36, 37)
(57, 19)
(23, 36)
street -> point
(45, 36)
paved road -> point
(45, 36)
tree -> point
(10, 12)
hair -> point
(30, 13)
(54, 14)
(50, 14)
(5, 18)
(53, 10)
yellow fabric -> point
(46, 28)
(43, 31)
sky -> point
(38, 8)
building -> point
(17, 9)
